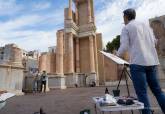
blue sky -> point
(32, 24)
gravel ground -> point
(68, 101)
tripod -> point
(125, 73)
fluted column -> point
(76, 13)
(93, 13)
(70, 53)
(70, 10)
(89, 11)
(77, 56)
(91, 54)
(59, 53)
(96, 60)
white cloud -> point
(12, 31)
(39, 40)
(20, 22)
(109, 18)
(42, 5)
(150, 9)
(9, 7)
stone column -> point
(89, 12)
(96, 60)
(43, 62)
(91, 54)
(70, 53)
(93, 13)
(70, 10)
(16, 56)
(76, 13)
(59, 53)
(77, 56)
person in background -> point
(34, 74)
(138, 39)
(43, 80)
(38, 81)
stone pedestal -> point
(75, 78)
(91, 78)
(11, 79)
(56, 81)
(71, 79)
(81, 80)
(29, 84)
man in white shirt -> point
(138, 39)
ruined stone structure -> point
(47, 62)
(16, 65)
(76, 54)
(158, 25)
(11, 54)
(11, 69)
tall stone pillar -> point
(93, 14)
(70, 53)
(77, 56)
(76, 13)
(89, 12)
(96, 60)
(70, 10)
(59, 53)
(91, 54)
(16, 56)
(58, 80)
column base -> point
(91, 78)
(56, 81)
(71, 80)
(75, 80)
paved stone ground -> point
(68, 101)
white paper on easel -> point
(114, 58)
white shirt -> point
(138, 39)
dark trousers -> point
(143, 76)
(43, 83)
(38, 85)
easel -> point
(125, 73)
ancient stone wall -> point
(158, 26)
(84, 55)
(11, 78)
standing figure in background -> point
(43, 80)
(36, 82)
(38, 78)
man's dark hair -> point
(130, 13)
